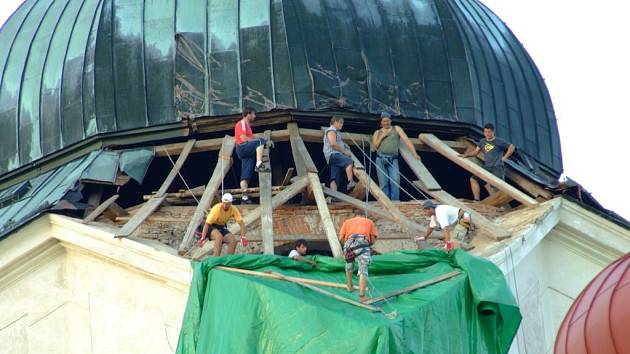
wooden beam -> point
(266, 216)
(471, 167)
(426, 179)
(287, 176)
(534, 189)
(327, 223)
(198, 192)
(291, 191)
(317, 136)
(329, 294)
(411, 288)
(358, 204)
(419, 169)
(301, 157)
(99, 209)
(222, 167)
(497, 199)
(139, 217)
(94, 199)
(152, 205)
(176, 167)
(210, 144)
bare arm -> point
(243, 228)
(407, 142)
(204, 233)
(376, 141)
(508, 153)
(305, 260)
(333, 143)
(471, 154)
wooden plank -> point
(210, 144)
(287, 176)
(94, 200)
(266, 216)
(291, 191)
(358, 204)
(411, 288)
(301, 157)
(222, 167)
(471, 167)
(497, 199)
(271, 275)
(138, 218)
(176, 167)
(317, 136)
(99, 209)
(329, 294)
(329, 227)
(359, 190)
(534, 189)
(198, 192)
(117, 210)
(419, 169)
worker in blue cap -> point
(386, 143)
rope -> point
(391, 180)
(180, 175)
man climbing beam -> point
(249, 150)
(357, 234)
(338, 155)
(496, 151)
(217, 221)
(452, 220)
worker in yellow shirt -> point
(216, 222)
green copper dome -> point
(72, 69)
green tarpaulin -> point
(228, 312)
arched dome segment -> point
(72, 69)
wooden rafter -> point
(317, 136)
(381, 197)
(298, 185)
(534, 189)
(305, 166)
(222, 167)
(436, 192)
(358, 204)
(149, 207)
(266, 216)
(100, 209)
(473, 168)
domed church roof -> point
(72, 69)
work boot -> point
(245, 200)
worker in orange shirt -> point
(357, 234)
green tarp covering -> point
(228, 312)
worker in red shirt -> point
(249, 150)
(357, 234)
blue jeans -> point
(388, 175)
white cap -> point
(227, 197)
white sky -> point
(583, 52)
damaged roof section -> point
(61, 188)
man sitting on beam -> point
(249, 150)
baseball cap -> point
(385, 115)
(227, 197)
(428, 204)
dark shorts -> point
(498, 171)
(247, 153)
(221, 228)
(338, 162)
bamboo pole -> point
(271, 275)
(411, 288)
(329, 294)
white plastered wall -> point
(70, 288)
